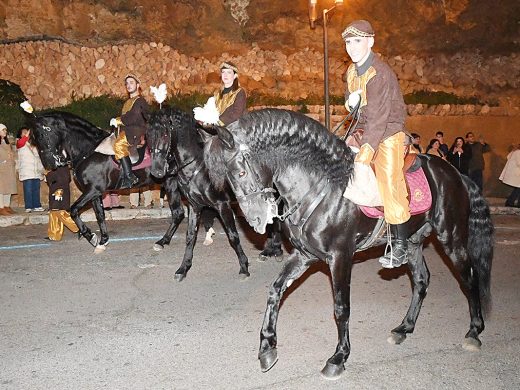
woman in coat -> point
(511, 176)
(7, 172)
(459, 155)
(30, 171)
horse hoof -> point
(243, 277)
(471, 344)
(179, 277)
(279, 259)
(99, 249)
(94, 241)
(262, 258)
(268, 359)
(332, 372)
(396, 338)
(158, 247)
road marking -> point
(31, 246)
(27, 246)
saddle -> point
(419, 193)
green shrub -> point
(11, 115)
(434, 98)
(97, 110)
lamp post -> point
(312, 18)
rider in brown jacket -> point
(382, 116)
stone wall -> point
(53, 73)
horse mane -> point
(280, 138)
(81, 135)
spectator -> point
(416, 142)
(30, 171)
(58, 181)
(111, 201)
(511, 176)
(7, 172)
(459, 155)
(134, 197)
(434, 148)
(443, 147)
(476, 163)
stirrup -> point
(389, 259)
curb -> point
(42, 218)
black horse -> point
(311, 168)
(63, 138)
(177, 148)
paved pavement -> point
(72, 319)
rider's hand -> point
(365, 154)
(353, 100)
(115, 122)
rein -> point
(297, 227)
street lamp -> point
(313, 16)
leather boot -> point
(128, 179)
(397, 248)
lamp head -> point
(313, 13)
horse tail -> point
(480, 241)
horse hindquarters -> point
(463, 225)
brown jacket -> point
(383, 111)
(232, 105)
(134, 117)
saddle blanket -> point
(363, 191)
(143, 162)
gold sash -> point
(355, 82)
(225, 101)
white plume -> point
(27, 106)
(209, 113)
(159, 93)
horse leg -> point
(191, 238)
(228, 220)
(74, 214)
(293, 269)
(420, 282)
(97, 205)
(341, 271)
(174, 201)
(273, 245)
(470, 283)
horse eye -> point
(241, 173)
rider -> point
(133, 121)
(231, 104)
(382, 117)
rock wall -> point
(53, 73)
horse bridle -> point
(296, 227)
(259, 189)
(57, 157)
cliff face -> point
(209, 27)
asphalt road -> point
(70, 319)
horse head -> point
(47, 136)
(159, 141)
(229, 158)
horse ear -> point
(225, 136)
(206, 133)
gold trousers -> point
(121, 146)
(58, 219)
(388, 164)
